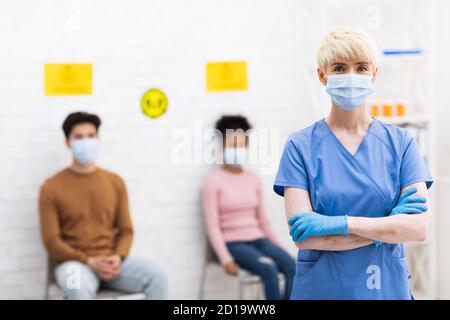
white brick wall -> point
(135, 45)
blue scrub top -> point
(367, 184)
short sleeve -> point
(413, 168)
(291, 171)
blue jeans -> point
(264, 258)
(80, 282)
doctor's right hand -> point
(407, 204)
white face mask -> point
(85, 150)
(235, 156)
(349, 91)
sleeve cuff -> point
(279, 186)
(428, 181)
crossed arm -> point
(392, 229)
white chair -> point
(54, 292)
(244, 277)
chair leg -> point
(241, 293)
(258, 291)
(203, 284)
(47, 287)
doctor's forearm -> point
(393, 229)
(334, 243)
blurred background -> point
(136, 45)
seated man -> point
(86, 225)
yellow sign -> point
(154, 103)
(226, 76)
(67, 79)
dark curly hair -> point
(79, 117)
(233, 122)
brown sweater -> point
(85, 215)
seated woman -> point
(236, 222)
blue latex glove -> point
(311, 224)
(407, 204)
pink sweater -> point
(233, 209)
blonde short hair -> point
(347, 43)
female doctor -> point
(355, 188)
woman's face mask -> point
(85, 150)
(234, 156)
(349, 91)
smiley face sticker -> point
(154, 103)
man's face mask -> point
(349, 91)
(85, 150)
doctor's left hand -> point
(313, 224)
